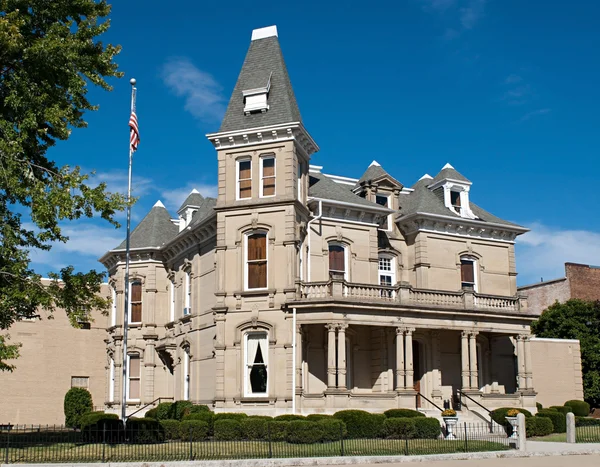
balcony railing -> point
(403, 294)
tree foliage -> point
(78, 402)
(577, 319)
(49, 54)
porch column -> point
(330, 356)
(464, 354)
(521, 362)
(528, 364)
(409, 358)
(400, 372)
(473, 360)
(299, 357)
(341, 356)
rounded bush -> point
(99, 426)
(289, 418)
(316, 417)
(399, 428)
(333, 429)
(152, 413)
(193, 430)
(179, 409)
(254, 428)
(499, 416)
(361, 424)
(580, 408)
(163, 411)
(197, 408)
(586, 421)
(78, 402)
(278, 430)
(427, 428)
(562, 409)
(559, 420)
(229, 416)
(304, 432)
(204, 416)
(227, 429)
(171, 428)
(403, 413)
(144, 430)
(538, 426)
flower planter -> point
(450, 423)
(515, 424)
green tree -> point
(78, 402)
(577, 319)
(49, 55)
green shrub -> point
(562, 409)
(193, 430)
(304, 432)
(399, 428)
(317, 417)
(171, 428)
(179, 409)
(144, 430)
(78, 402)
(163, 410)
(586, 421)
(427, 428)
(289, 418)
(278, 430)
(361, 424)
(198, 408)
(254, 428)
(538, 426)
(403, 413)
(227, 429)
(204, 416)
(499, 416)
(229, 416)
(539, 406)
(559, 420)
(152, 413)
(333, 429)
(100, 426)
(580, 408)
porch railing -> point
(404, 294)
(489, 412)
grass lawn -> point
(175, 450)
(584, 434)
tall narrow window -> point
(113, 312)
(383, 200)
(300, 197)
(136, 303)
(256, 377)
(467, 273)
(387, 274)
(301, 262)
(186, 375)
(337, 259)
(244, 178)
(188, 293)
(133, 378)
(256, 273)
(172, 300)
(111, 380)
(267, 179)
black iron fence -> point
(49, 444)
(587, 434)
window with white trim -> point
(188, 293)
(244, 178)
(111, 380)
(468, 272)
(384, 200)
(256, 260)
(256, 376)
(301, 261)
(113, 311)
(133, 378)
(387, 273)
(337, 259)
(135, 302)
(172, 300)
(267, 176)
(186, 374)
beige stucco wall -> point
(556, 370)
(52, 352)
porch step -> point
(474, 420)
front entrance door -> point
(417, 371)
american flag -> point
(134, 132)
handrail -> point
(149, 404)
(431, 402)
(484, 408)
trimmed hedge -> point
(562, 409)
(499, 416)
(204, 416)
(254, 428)
(179, 409)
(399, 428)
(229, 416)
(152, 413)
(304, 432)
(289, 418)
(193, 430)
(361, 424)
(333, 429)
(580, 408)
(538, 426)
(199, 408)
(100, 426)
(278, 430)
(78, 402)
(144, 430)
(163, 411)
(171, 428)
(427, 428)
(586, 421)
(316, 417)
(227, 429)
(403, 413)
(559, 420)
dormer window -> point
(384, 200)
(455, 200)
(255, 100)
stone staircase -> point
(476, 423)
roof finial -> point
(447, 166)
(426, 176)
(375, 163)
(158, 204)
(262, 33)
(194, 191)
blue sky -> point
(505, 90)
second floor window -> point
(383, 200)
(387, 274)
(136, 303)
(467, 273)
(172, 300)
(337, 259)
(267, 178)
(256, 254)
(244, 177)
(188, 294)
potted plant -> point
(511, 416)
(450, 420)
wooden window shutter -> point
(336, 258)
(466, 271)
(136, 302)
(257, 261)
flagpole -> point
(127, 285)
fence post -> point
(341, 439)
(571, 438)
(269, 439)
(466, 438)
(191, 446)
(405, 444)
(7, 444)
(521, 431)
(104, 441)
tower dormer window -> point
(267, 176)
(256, 100)
(455, 199)
(244, 176)
(384, 200)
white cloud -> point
(202, 93)
(173, 198)
(117, 180)
(543, 251)
(534, 113)
(472, 13)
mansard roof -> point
(449, 172)
(375, 172)
(154, 230)
(205, 209)
(263, 61)
(323, 187)
(194, 199)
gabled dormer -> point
(191, 205)
(453, 189)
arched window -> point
(186, 374)
(468, 272)
(337, 259)
(135, 302)
(256, 377)
(256, 260)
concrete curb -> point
(330, 460)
